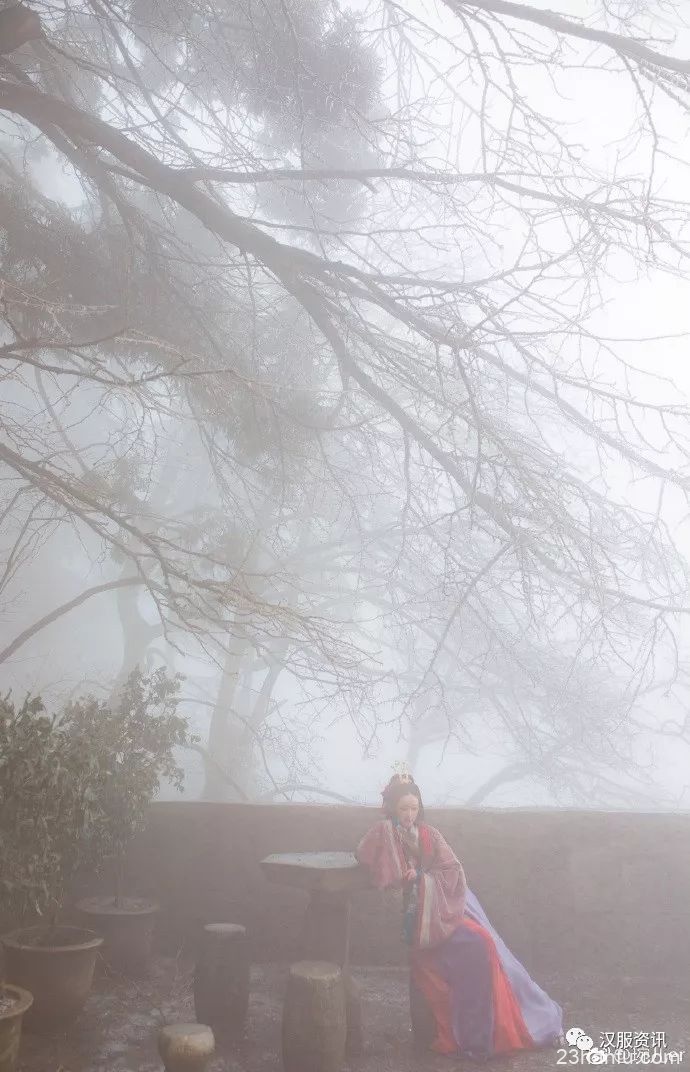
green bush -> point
(134, 741)
(48, 802)
(74, 787)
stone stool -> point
(221, 979)
(314, 1018)
(186, 1047)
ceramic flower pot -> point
(56, 966)
(127, 930)
(14, 1002)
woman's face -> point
(407, 810)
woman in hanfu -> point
(481, 1000)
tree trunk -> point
(137, 633)
(223, 739)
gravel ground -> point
(117, 1031)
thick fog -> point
(388, 457)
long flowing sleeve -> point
(380, 851)
(442, 890)
(439, 893)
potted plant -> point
(135, 736)
(48, 779)
(14, 1002)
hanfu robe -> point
(482, 1001)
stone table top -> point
(333, 872)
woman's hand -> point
(410, 875)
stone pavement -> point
(117, 1031)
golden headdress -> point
(402, 775)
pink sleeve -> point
(379, 852)
(447, 867)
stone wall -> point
(568, 891)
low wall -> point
(568, 891)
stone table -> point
(331, 879)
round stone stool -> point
(186, 1047)
(221, 980)
(314, 1018)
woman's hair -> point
(400, 787)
